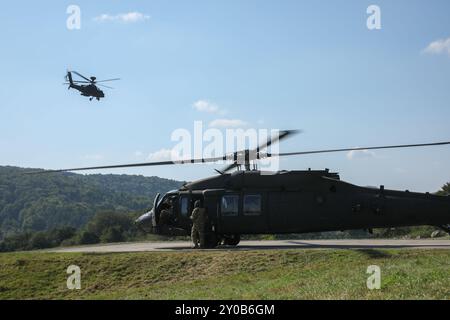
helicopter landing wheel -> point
(232, 240)
(211, 241)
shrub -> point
(58, 235)
(40, 240)
(15, 242)
(112, 234)
(87, 237)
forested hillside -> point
(45, 201)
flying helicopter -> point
(250, 201)
(89, 86)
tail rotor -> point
(69, 79)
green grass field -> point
(283, 274)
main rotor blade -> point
(76, 82)
(108, 80)
(358, 149)
(80, 75)
(282, 135)
(231, 157)
(102, 85)
(144, 164)
(229, 167)
(254, 154)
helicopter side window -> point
(230, 205)
(252, 205)
(184, 206)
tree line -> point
(104, 227)
(32, 203)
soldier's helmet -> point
(197, 204)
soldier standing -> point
(198, 217)
(166, 213)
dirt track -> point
(265, 245)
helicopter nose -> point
(145, 219)
(145, 222)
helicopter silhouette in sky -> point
(87, 87)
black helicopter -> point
(249, 201)
(89, 89)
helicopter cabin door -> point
(242, 213)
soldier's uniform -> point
(198, 226)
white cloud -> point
(438, 47)
(208, 107)
(228, 123)
(161, 155)
(129, 17)
(360, 154)
(205, 106)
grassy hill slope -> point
(286, 274)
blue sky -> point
(271, 64)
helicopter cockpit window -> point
(252, 205)
(184, 206)
(230, 205)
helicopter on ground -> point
(87, 87)
(249, 201)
